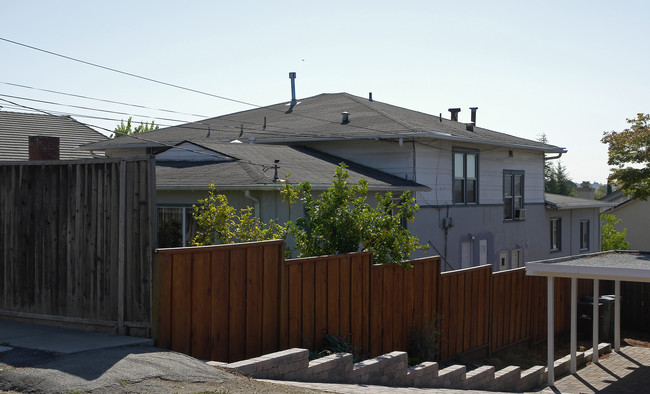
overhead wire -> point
(136, 136)
(102, 100)
(236, 128)
(181, 87)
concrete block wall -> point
(392, 369)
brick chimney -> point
(43, 148)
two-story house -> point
(485, 201)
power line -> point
(128, 73)
(89, 108)
(182, 87)
(102, 100)
(237, 128)
(136, 136)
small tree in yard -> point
(341, 221)
(218, 222)
(610, 239)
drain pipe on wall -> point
(247, 194)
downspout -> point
(247, 194)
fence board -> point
(181, 302)
(271, 299)
(356, 301)
(320, 301)
(253, 306)
(237, 307)
(201, 305)
(220, 316)
(307, 312)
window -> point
(513, 195)
(465, 169)
(584, 235)
(176, 226)
(515, 260)
(556, 234)
(503, 260)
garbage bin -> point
(605, 315)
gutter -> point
(431, 135)
(276, 187)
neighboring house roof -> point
(617, 196)
(234, 166)
(319, 118)
(560, 202)
(16, 127)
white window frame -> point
(585, 235)
(511, 200)
(462, 176)
(556, 234)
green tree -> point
(629, 152)
(127, 128)
(341, 221)
(220, 223)
(610, 239)
(601, 192)
(558, 181)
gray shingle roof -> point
(16, 127)
(253, 167)
(557, 201)
(319, 118)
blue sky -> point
(568, 69)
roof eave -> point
(435, 136)
(277, 186)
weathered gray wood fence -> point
(76, 242)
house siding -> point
(634, 217)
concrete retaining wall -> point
(392, 369)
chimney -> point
(473, 109)
(370, 96)
(586, 191)
(454, 113)
(292, 76)
(345, 117)
(43, 148)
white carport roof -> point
(611, 265)
(632, 266)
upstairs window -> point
(465, 170)
(556, 234)
(584, 235)
(513, 195)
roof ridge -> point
(364, 102)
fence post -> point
(122, 252)
(284, 300)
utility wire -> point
(182, 87)
(136, 136)
(102, 100)
(236, 128)
(129, 74)
(89, 108)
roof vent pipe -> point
(345, 117)
(454, 113)
(473, 109)
(292, 76)
(370, 96)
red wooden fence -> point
(231, 302)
